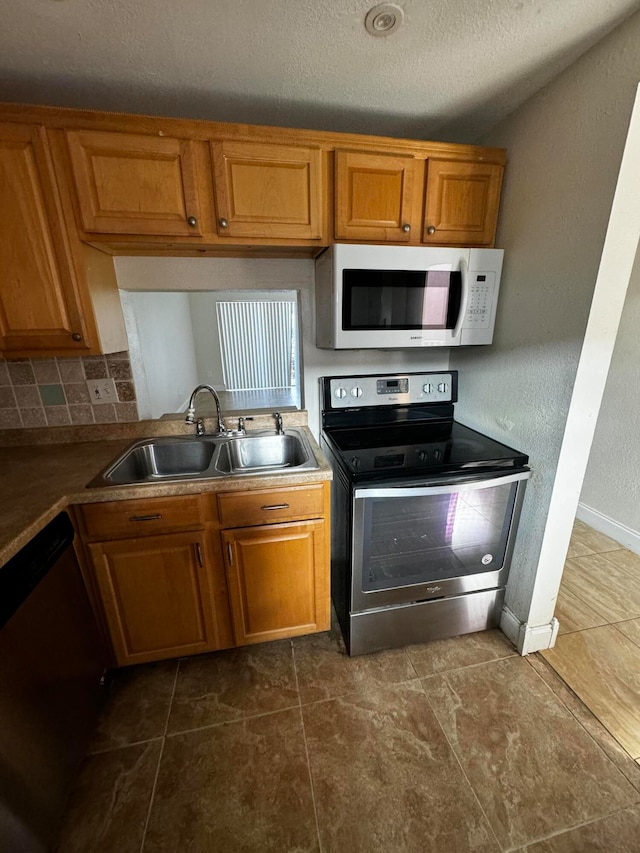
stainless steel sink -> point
(207, 457)
(251, 454)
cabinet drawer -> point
(242, 509)
(123, 519)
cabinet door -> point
(268, 191)
(135, 184)
(157, 596)
(39, 302)
(462, 201)
(374, 196)
(278, 580)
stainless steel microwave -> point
(395, 297)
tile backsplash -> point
(37, 392)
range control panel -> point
(394, 389)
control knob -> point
(423, 455)
(442, 387)
(340, 393)
(427, 388)
(356, 391)
(355, 462)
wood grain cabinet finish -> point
(157, 596)
(39, 302)
(266, 190)
(374, 196)
(277, 567)
(277, 585)
(461, 203)
(135, 184)
(158, 576)
(126, 519)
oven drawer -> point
(404, 625)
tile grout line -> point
(306, 747)
(459, 762)
(155, 780)
(123, 746)
(577, 695)
(568, 829)
(615, 625)
(583, 727)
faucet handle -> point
(278, 419)
(241, 420)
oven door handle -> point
(464, 298)
(440, 487)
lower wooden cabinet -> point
(157, 594)
(276, 578)
(181, 575)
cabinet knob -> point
(192, 221)
(431, 229)
(406, 228)
(76, 336)
(224, 223)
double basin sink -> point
(209, 456)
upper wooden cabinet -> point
(268, 191)
(374, 196)
(135, 184)
(140, 184)
(39, 302)
(461, 203)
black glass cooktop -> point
(405, 449)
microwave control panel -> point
(480, 307)
(397, 389)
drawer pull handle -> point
(230, 553)
(199, 553)
(275, 506)
(155, 517)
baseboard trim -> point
(613, 529)
(528, 638)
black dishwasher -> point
(51, 665)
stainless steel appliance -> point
(425, 511)
(51, 664)
(397, 297)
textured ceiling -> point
(452, 71)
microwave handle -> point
(464, 298)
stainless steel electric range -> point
(424, 511)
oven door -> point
(433, 539)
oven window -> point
(426, 538)
(399, 299)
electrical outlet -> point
(102, 391)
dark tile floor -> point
(457, 745)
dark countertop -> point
(38, 481)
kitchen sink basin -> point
(207, 457)
(262, 452)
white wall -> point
(611, 488)
(206, 341)
(138, 273)
(162, 354)
(564, 149)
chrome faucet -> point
(191, 411)
(279, 429)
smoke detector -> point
(384, 19)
